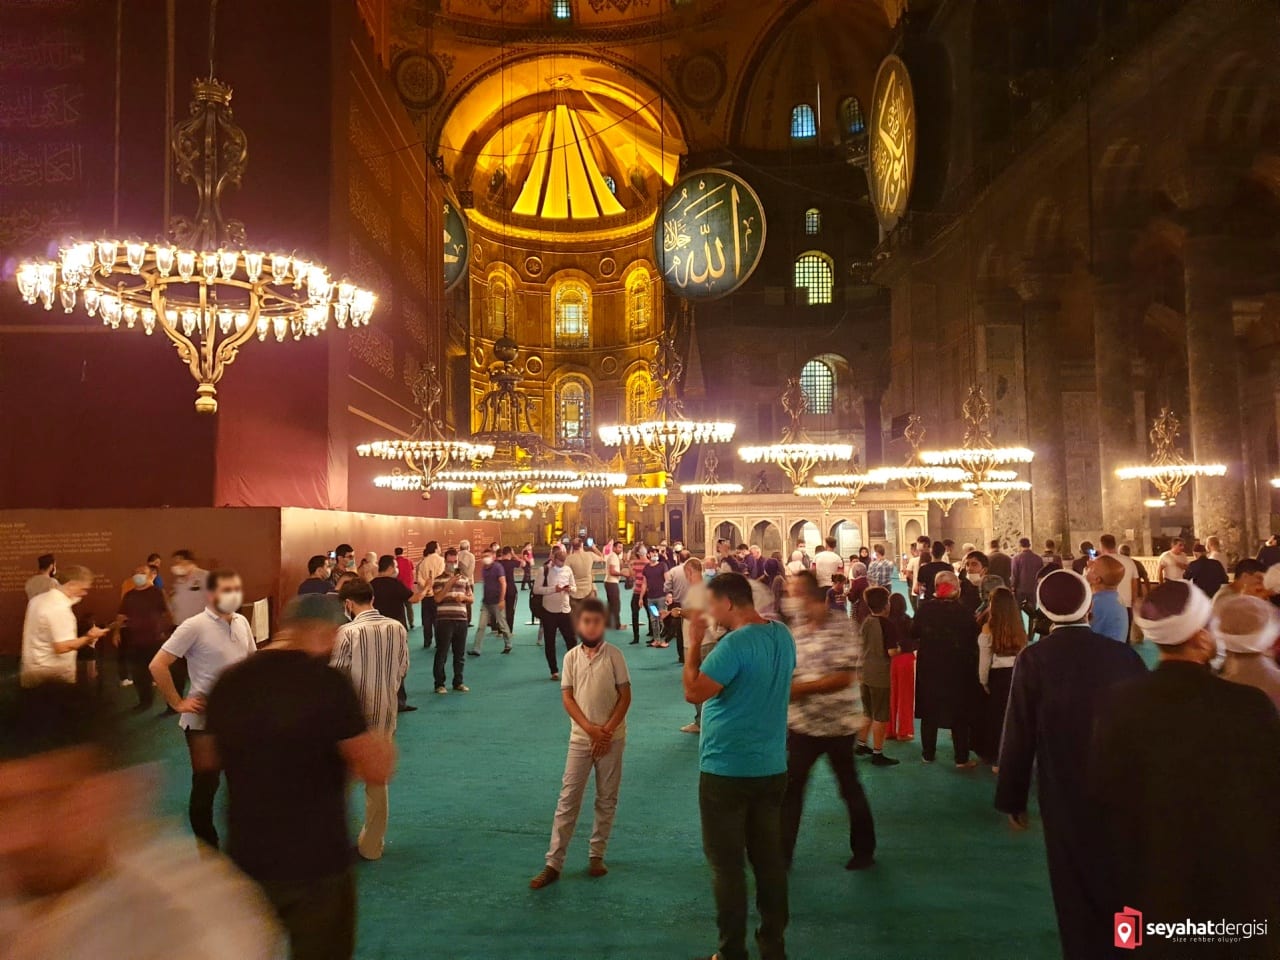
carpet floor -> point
(471, 806)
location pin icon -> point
(1125, 931)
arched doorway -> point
(848, 537)
(767, 537)
(911, 532)
(593, 517)
(726, 531)
(807, 531)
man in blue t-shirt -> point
(745, 686)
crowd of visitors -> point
(1027, 659)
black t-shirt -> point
(655, 575)
(929, 571)
(146, 612)
(1207, 574)
(278, 718)
(511, 565)
(390, 597)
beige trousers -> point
(577, 769)
(373, 834)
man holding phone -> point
(50, 639)
(582, 561)
(559, 583)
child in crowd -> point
(879, 645)
(838, 595)
(902, 673)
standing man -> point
(929, 571)
(429, 569)
(1057, 691)
(558, 584)
(745, 684)
(826, 562)
(1172, 744)
(210, 641)
(824, 716)
(452, 595)
(405, 574)
(1125, 589)
(880, 570)
(43, 579)
(467, 567)
(596, 691)
(289, 731)
(582, 561)
(1206, 573)
(999, 563)
(1025, 572)
(50, 639)
(393, 599)
(318, 580)
(511, 565)
(1173, 562)
(344, 559)
(144, 619)
(493, 601)
(1269, 553)
(373, 651)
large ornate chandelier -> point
(203, 287)
(977, 456)
(944, 498)
(916, 475)
(851, 483)
(1168, 470)
(796, 454)
(997, 487)
(668, 437)
(710, 487)
(427, 449)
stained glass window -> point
(638, 302)
(813, 221)
(804, 125)
(639, 397)
(561, 10)
(851, 116)
(818, 381)
(815, 275)
(573, 412)
(611, 183)
(572, 314)
(498, 300)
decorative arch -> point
(1043, 238)
(638, 284)
(766, 535)
(1118, 182)
(812, 222)
(815, 273)
(501, 303)
(804, 122)
(852, 122)
(573, 399)
(640, 395)
(1237, 104)
(570, 312)
(818, 382)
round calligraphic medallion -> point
(456, 245)
(893, 141)
(709, 235)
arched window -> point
(611, 183)
(561, 10)
(813, 221)
(638, 302)
(639, 397)
(572, 314)
(573, 412)
(815, 275)
(804, 125)
(851, 119)
(499, 305)
(818, 381)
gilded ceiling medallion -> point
(893, 142)
(709, 235)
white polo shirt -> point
(595, 681)
(49, 618)
(554, 602)
(1173, 565)
(1125, 587)
(210, 645)
(826, 563)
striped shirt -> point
(454, 604)
(373, 651)
(880, 572)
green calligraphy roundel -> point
(709, 234)
(457, 245)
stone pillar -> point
(1213, 370)
(1118, 429)
(1048, 473)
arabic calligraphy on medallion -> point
(456, 245)
(893, 141)
(709, 235)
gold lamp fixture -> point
(851, 483)
(1168, 470)
(710, 487)
(978, 455)
(796, 454)
(944, 498)
(203, 287)
(427, 450)
(916, 475)
(641, 496)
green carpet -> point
(471, 810)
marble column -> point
(1118, 429)
(1048, 473)
(1213, 369)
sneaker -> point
(880, 760)
(407, 708)
(863, 750)
(506, 649)
(596, 867)
(967, 765)
(473, 653)
(463, 688)
(547, 877)
(126, 682)
(691, 728)
(442, 689)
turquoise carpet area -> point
(471, 808)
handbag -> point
(629, 582)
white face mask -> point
(139, 579)
(975, 579)
(229, 602)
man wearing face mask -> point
(215, 638)
(558, 583)
(49, 635)
(493, 579)
(144, 617)
(344, 559)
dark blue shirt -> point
(493, 589)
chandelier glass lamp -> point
(710, 487)
(203, 287)
(641, 496)
(916, 475)
(996, 491)
(427, 450)
(825, 495)
(796, 454)
(852, 483)
(669, 436)
(978, 455)
(946, 499)
(1168, 470)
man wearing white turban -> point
(1057, 687)
(1248, 629)
(1184, 785)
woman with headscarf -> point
(768, 589)
(864, 556)
(947, 691)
